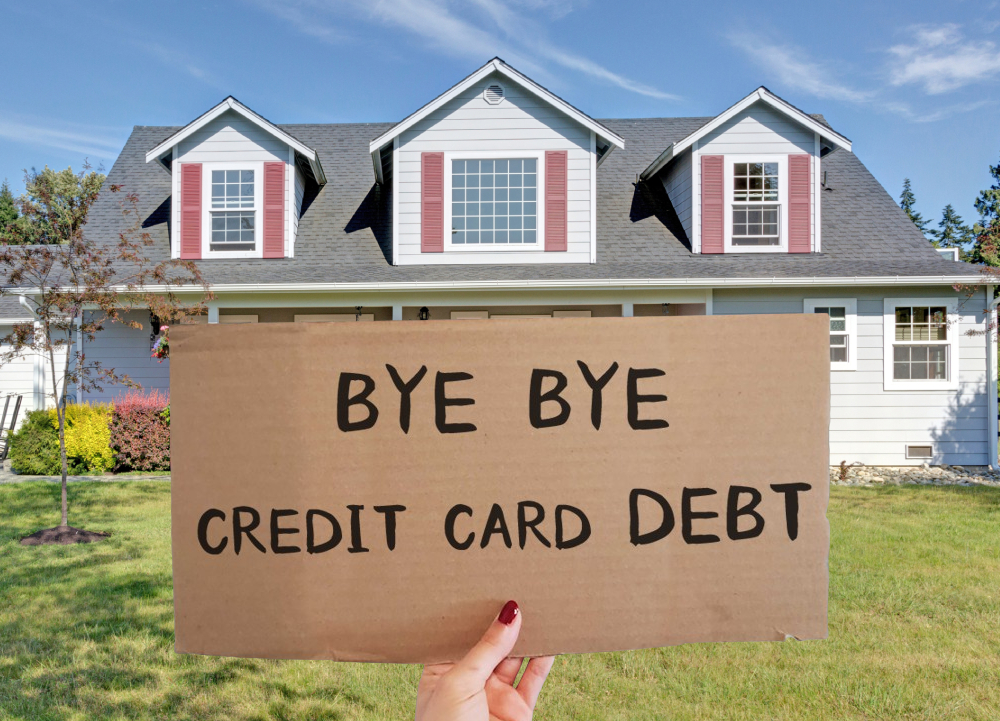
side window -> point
(843, 323)
(920, 344)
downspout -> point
(991, 371)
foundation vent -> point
(924, 452)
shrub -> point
(34, 448)
(140, 436)
(88, 436)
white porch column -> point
(627, 310)
(213, 313)
(991, 380)
(397, 311)
(39, 372)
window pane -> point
(838, 355)
(233, 231)
(457, 166)
(920, 362)
(755, 225)
(487, 199)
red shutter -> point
(799, 203)
(190, 211)
(713, 204)
(274, 210)
(432, 202)
(556, 162)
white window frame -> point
(889, 334)
(539, 244)
(258, 206)
(729, 161)
(850, 306)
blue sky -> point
(913, 84)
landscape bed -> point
(87, 631)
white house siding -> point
(17, 377)
(872, 425)
(677, 182)
(127, 351)
(522, 122)
(757, 130)
(231, 138)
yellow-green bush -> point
(88, 435)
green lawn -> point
(87, 631)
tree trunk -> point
(61, 417)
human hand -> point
(480, 687)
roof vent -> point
(494, 94)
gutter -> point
(599, 284)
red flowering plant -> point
(161, 349)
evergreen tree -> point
(952, 232)
(54, 205)
(987, 230)
(8, 210)
(907, 201)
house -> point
(499, 199)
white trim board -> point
(761, 94)
(231, 103)
(496, 65)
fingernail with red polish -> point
(508, 613)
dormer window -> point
(233, 211)
(756, 216)
(494, 202)
(756, 196)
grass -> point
(86, 632)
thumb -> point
(495, 645)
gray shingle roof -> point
(345, 235)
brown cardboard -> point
(254, 424)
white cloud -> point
(89, 141)
(501, 27)
(179, 61)
(792, 68)
(942, 59)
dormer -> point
(238, 182)
(749, 180)
(496, 170)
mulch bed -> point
(62, 536)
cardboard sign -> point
(377, 491)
